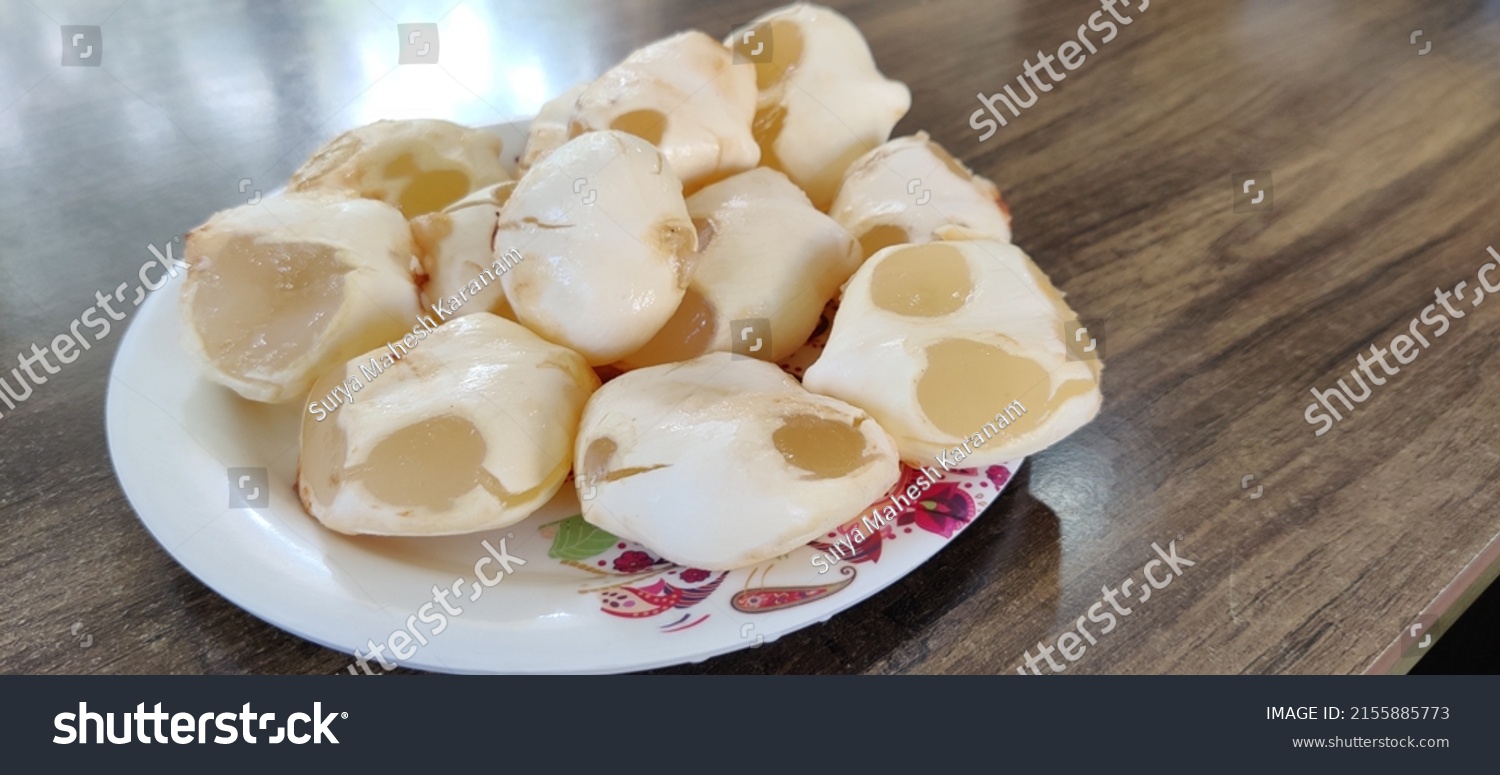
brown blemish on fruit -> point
(678, 243)
(625, 473)
(533, 222)
(1000, 203)
(422, 366)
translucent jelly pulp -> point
(922, 281)
(498, 196)
(432, 463)
(324, 446)
(258, 306)
(822, 447)
(599, 455)
(786, 54)
(647, 124)
(432, 191)
(766, 128)
(688, 334)
(881, 237)
(785, 40)
(967, 383)
(706, 233)
(428, 464)
(425, 191)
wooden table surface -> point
(1219, 315)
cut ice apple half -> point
(764, 252)
(957, 349)
(877, 202)
(822, 101)
(455, 250)
(417, 165)
(549, 130)
(472, 429)
(684, 95)
(603, 245)
(278, 292)
(721, 462)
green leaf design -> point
(578, 540)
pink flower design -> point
(633, 562)
(943, 509)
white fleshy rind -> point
(606, 245)
(700, 480)
(374, 250)
(522, 394)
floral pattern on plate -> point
(633, 583)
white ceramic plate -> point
(583, 602)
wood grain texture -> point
(1217, 323)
